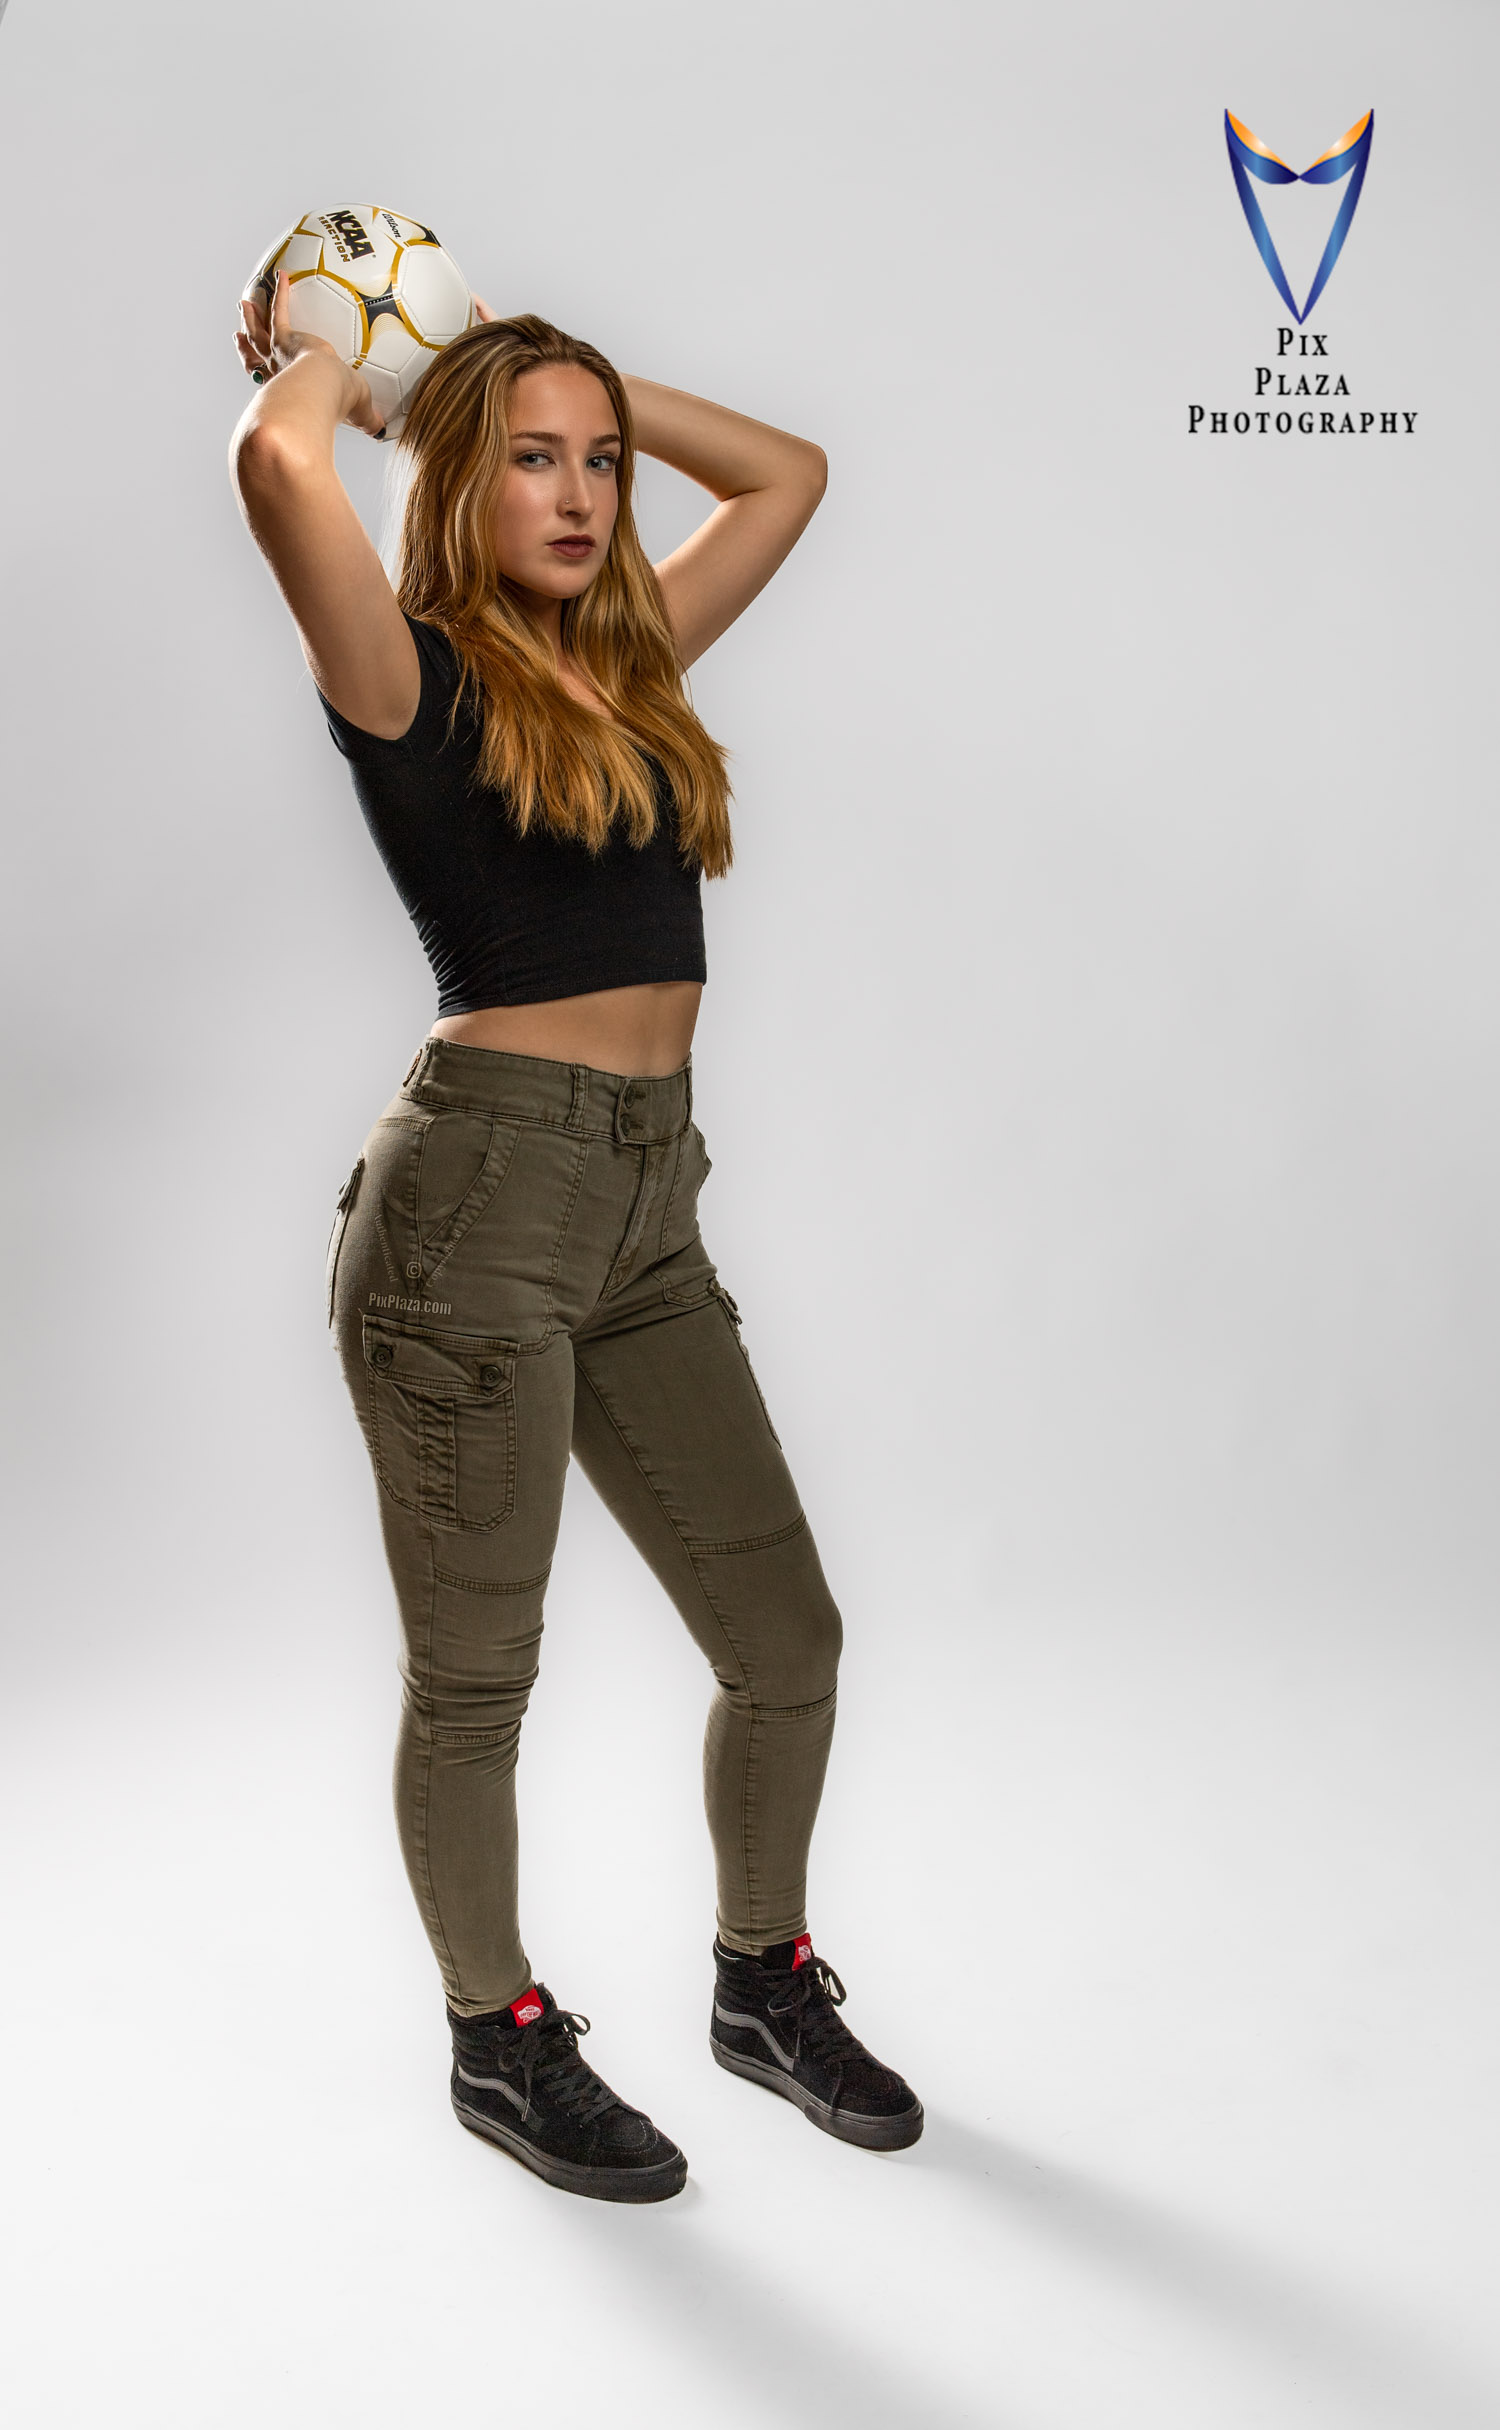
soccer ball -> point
(379, 288)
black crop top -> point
(508, 918)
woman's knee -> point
(793, 1658)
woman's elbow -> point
(816, 472)
(265, 461)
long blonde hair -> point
(560, 765)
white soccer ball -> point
(379, 287)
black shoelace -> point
(812, 2000)
(547, 2053)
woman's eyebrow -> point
(558, 438)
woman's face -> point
(559, 497)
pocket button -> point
(381, 1355)
(489, 1376)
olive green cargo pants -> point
(516, 1274)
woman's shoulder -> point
(431, 726)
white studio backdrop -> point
(1097, 1063)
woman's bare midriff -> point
(643, 1032)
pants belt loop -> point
(688, 1109)
(580, 1097)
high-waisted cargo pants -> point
(516, 1274)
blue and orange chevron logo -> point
(1249, 157)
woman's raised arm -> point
(768, 485)
(354, 636)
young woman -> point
(516, 1274)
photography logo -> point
(1309, 398)
(1249, 157)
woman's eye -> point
(604, 463)
(533, 455)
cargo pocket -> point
(442, 1421)
(688, 1279)
(347, 1196)
(732, 1315)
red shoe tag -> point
(527, 2008)
(802, 1952)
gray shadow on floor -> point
(1356, 2350)
(763, 2340)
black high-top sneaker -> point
(520, 2080)
(776, 2021)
